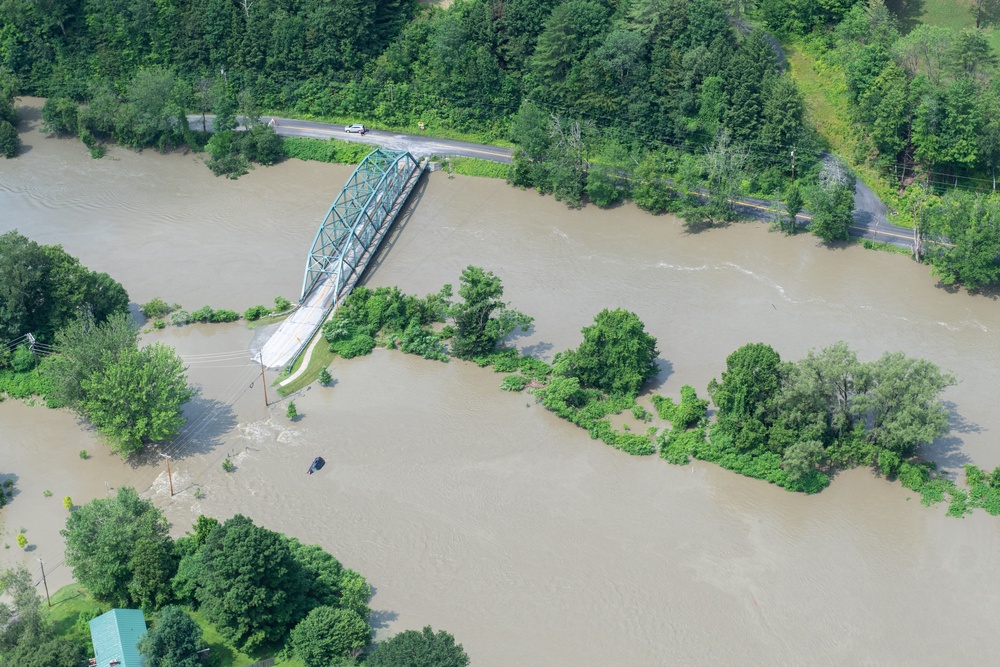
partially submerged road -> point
(870, 215)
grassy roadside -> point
(473, 166)
(825, 91)
(320, 358)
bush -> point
(202, 314)
(417, 340)
(281, 304)
(155, 308)
(254, 313)
(159, 324)
(68, 503)
(356, 346)
(325, 377)
(292, 412)
(180, 317)
(23, 359)
(224, 316)
(514, 383)
(60, 115)
(227, 465)
(22, 541)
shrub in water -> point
(514, 382)
(68, 503)
(281, 304)
(227, 465)
(225, 316)
(159, 324)
(155, 308)
(84, 455)
(180, 317)
(254, 313)
(291, 412)
(325, 377)
(22, 541)
(202, 314)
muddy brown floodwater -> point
(474, 510)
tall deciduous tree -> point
(902, 403)
(250, 584)
(329, 633)
(425, 648)
(482, 319)
(102, 539)
(137, 397)
(746, 395)
(173, 641)
(617, 355)
(970, 225)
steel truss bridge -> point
(348, 238)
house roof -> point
(115, 636)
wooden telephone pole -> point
(170, 479)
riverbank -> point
(472, 512)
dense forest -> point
(660, 101)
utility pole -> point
(34, 353)
(263, 380)
(169, 478)
(45, 583)
(793, 167)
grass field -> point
(825, 91)
(956, 14)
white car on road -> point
(357, 128)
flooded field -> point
(474, 510)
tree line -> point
(88, 344)
(264, 592)
(790, 423)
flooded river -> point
(475, 511)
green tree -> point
(84, 346)
(746, 395)
(137, 397)
(902, 402)
(725, 165)
(249, 584)
(153, 566)
(793, 204)
(607, 180)
(10, 142)
(969, 226)
(102, 538)
(482, 320)
(801, 458)
(53, 652)
(832, 203)
(617, 355)
(45, 288)
(425, 648)
(21, 618)
(328, 633)
(173, 641)
(60, 115)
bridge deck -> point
(291, 338)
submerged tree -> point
(482, 319)
(617, 355)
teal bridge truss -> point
(358, 219)
(347, 240)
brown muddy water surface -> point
(475, 511)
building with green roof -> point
(115, 636)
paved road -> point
(418, 146)
(870, 215)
